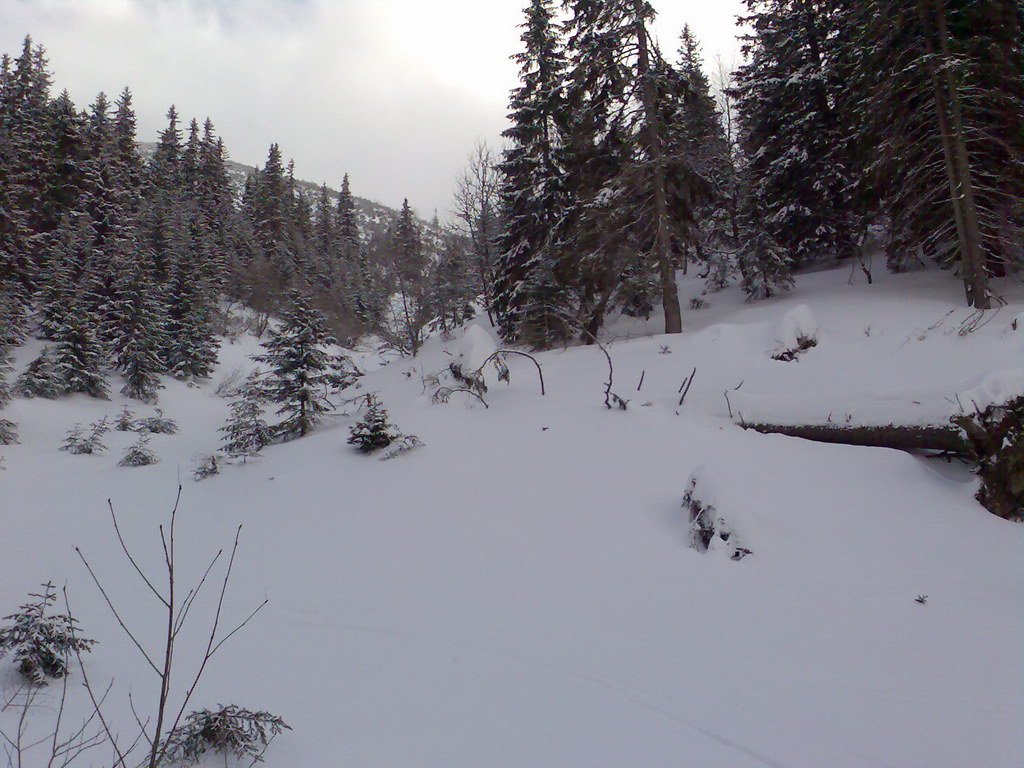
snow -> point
(475, 347)
(996, 388)
(522, 592)
(797, 324)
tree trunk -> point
(954, 148)
(928, 438)
(652, 141)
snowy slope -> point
(521, 592)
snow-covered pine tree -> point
(452, 284)
(796, 158)
(190, 350)
(78, 358)
(134, 328)
(40, 378)
(324, 238)
(532, 191)
(125, 421)
(942, 134)
(41, 643)
(766, 267)
(79, 442)
(246, 433)
(633, 193)
(373, 431)
(30, 145)
(8, 429)
(299, 367)
(409, 313)
(13, 314)
(158, 424)
(139, 453)
(699, 139)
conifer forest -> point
(690, 434)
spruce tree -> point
(40, 378)
(139, 453)
(78, 357)
(532, 191)
(373, 431)
(299, 367)
(798, 166)
(942, 135)
(246, 433)
(408, 262)
(134, 331)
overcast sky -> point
(394, 92)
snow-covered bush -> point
(698, 303)
(125, 421)
(78, 442)
(373, 431)
(401, 445)
(208, 467)
(39, 643)
(8, 432)
(797, 332)
(708, 529)
(138, 454)
(157, 425)
(229, 730)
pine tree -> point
(942, 135)
(40, 378)
(78, 442)
(78, 358)
(532, 169)
(798, 168)
(299, 367)
(373, 431)
(632, 193)
(190, 351)
(698, 138)
(408, 261)
(138, 453)
(134, 330)
(246, 433)
(41, 644)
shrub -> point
(230, 730)
(78, 443)
(41, 644)
(125, 421)
(8, 432)
(158, 425)
(138, 454)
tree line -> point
(123, 262)
(891, 123)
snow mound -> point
(474, 348)
(796, 325)
(997, 388)
(715, 518)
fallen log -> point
(944, 439)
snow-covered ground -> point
(521, 592)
